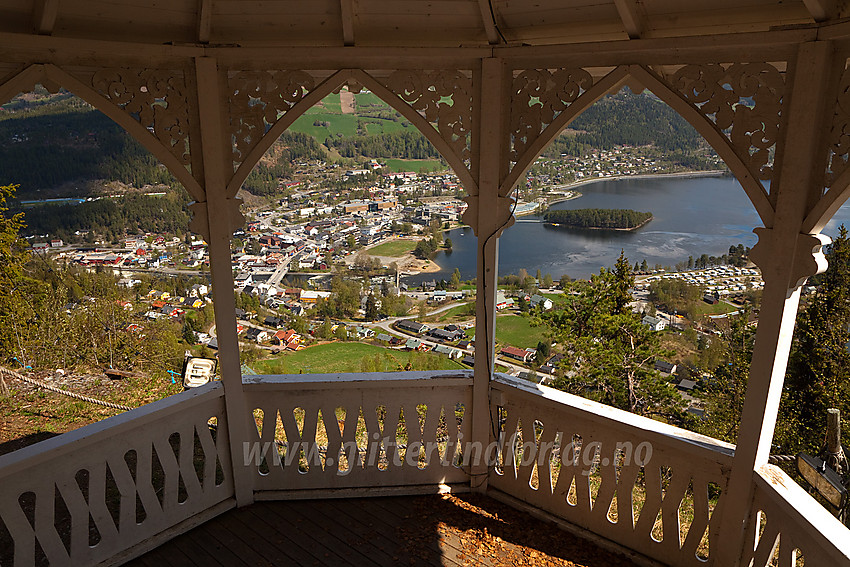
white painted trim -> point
(50, 450)
(594, 412)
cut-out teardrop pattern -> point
(376, 437)
(117, 486)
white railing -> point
(645, 485)
(103, 493)
(321, 433)
(788, 524)
(108, 491)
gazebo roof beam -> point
(204, 21)
(44, 16)
(821, 10)
(347, 10)
(488, 17)
(631, 17)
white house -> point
(654, 323)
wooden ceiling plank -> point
(488, 17)
(204, 21)
(347, 9)
(631, 17)
(821, 10)
(44, 16)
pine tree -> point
(611, 351)
(725, 391)
(18, 301)
(371, 308)
(455, 283)
(818, 375)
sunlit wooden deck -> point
(422, 530)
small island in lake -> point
(602, 219)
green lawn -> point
(351, 357)
(394, 248)
(555, 297)
(517, 331)
(331, 103)
(381, 125)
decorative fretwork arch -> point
(562, 95)
(425, 98)
(737, 156)
(153, 110)
(251, 130)
(708, 96)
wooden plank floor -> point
(451, 530)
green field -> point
(517, 331)
(351, 357)
(394, 248)
(329, 111)
(704, 308)
(463, 311)
(368, 99)
(414, 165)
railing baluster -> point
(54, 469)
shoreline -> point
(413, 266)
(576, 194)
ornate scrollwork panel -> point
(538, 97)
(257, 99)
(744, 100)
(155, 98)
(443, 98)
(839, 135)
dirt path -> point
(346, 102)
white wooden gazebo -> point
(208, 85)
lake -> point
(691, 216)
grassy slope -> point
(517, 331)
(329, 111)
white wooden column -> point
(222, 218)
(493, 104)
(786, 258)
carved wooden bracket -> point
(200, 219)
(154, 98)
(257, 99)
(443, 98)
(489, 219)
(839, 135)
(808, 257)
(538, 97)
(744, 100)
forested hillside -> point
(277, 163)
(111, 219)
(627, 119)
(47, 141)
